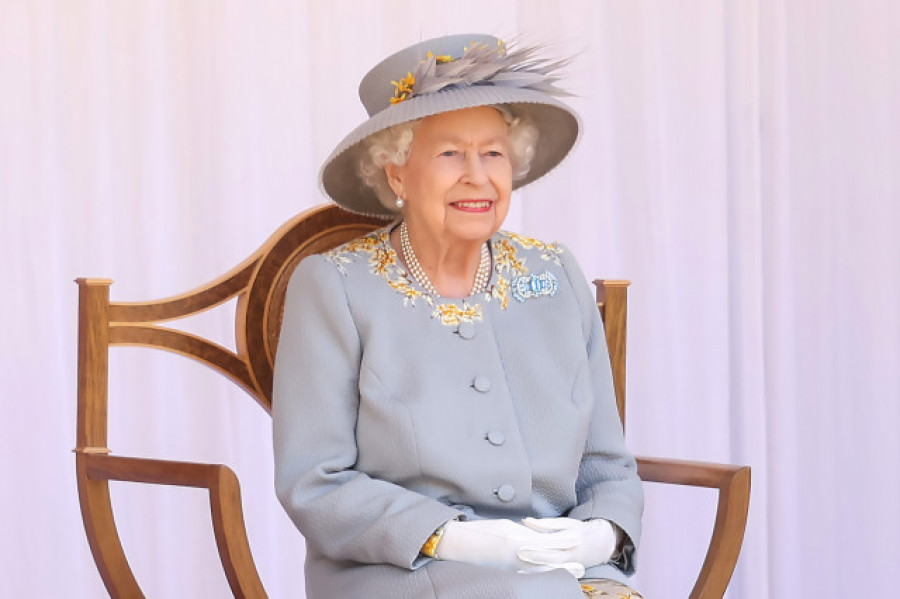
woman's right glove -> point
(496, 544)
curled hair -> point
(392, 145)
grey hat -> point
(445, 74)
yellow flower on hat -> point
(403, 87)
(440, 58)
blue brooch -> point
(529, 286)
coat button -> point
(466, 329)
(506, 493)
(482, 383)
(495, 437)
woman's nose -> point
(475, 171)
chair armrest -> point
(225, 505)
(733, 483)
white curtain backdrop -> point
(738, 164)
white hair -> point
(392, 145)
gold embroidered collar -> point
(510, 274)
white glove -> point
(496, 544)
(594, 542)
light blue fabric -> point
(389, 421)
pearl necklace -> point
(482, 275)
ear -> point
(394, 176)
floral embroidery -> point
(549, 251)
(367, 243)
(339, 259)
(409, 292)
(500, 292)
(452, 315)
(505, 258)
(383, 262)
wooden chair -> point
(259, 284)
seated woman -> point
(444, 416)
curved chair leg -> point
(231, 533)
(94, 472)
(103, 537)
(733, 483)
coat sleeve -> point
(343, 513)
(608, 485)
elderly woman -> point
(444, 417)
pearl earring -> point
(399, 203)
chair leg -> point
(103, 537)
(733, 485)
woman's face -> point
(457, 181)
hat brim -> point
(558, 126)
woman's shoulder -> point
(364, 265)
(527, 242)
(371, 248)
(512, 250)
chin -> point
(478, 233)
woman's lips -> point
(472, 205)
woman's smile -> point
(472, 205)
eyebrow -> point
(456, 139)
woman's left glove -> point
(595, 542)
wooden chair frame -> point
(259, 283)
(732, 482)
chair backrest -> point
(259, 284)
(612, 300)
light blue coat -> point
(395, 411)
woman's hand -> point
(593, 543)
(498, 544)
